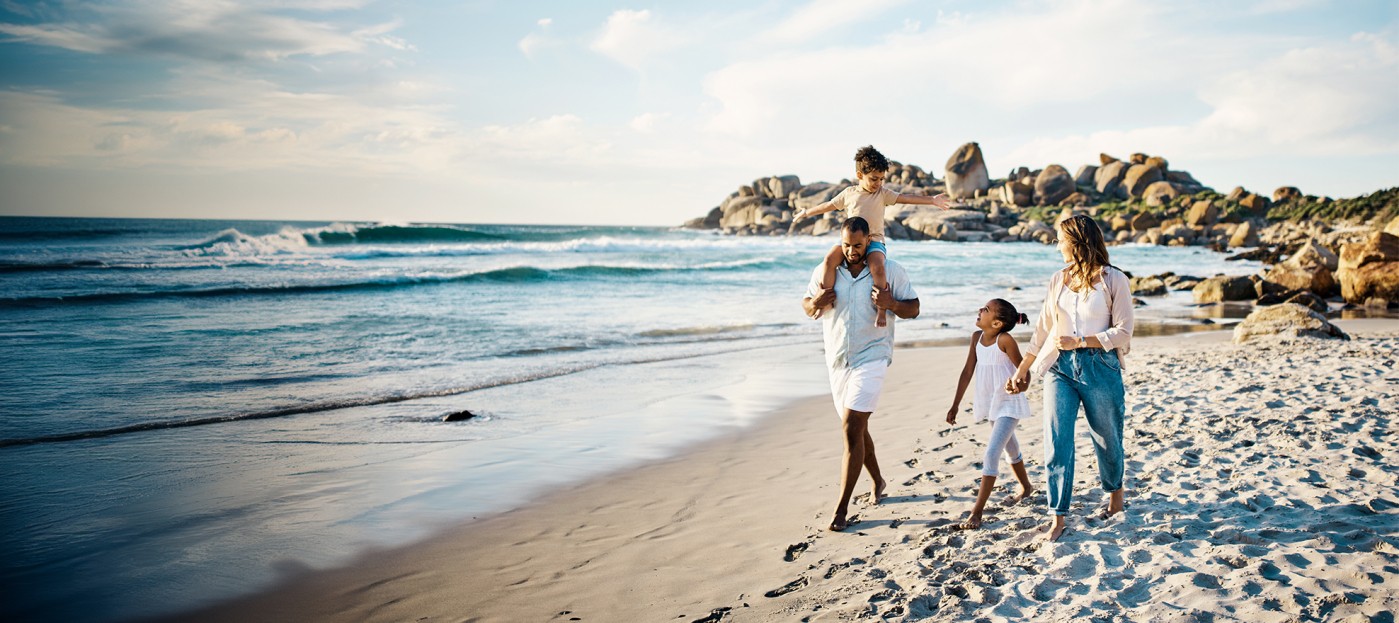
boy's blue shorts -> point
(877, 245)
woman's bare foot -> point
(1055, 529)
(1115, 504)
(972, 522)
(879, 487)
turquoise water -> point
(193, 408)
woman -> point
(1083, 333)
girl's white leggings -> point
(1002, 440)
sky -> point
(589, 112)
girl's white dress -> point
(993, 369)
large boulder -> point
(1305, 271)
(749, 212)
(1370, 269)
(1148, 286)
(1286, 321)
(1158, 162)
(1222, 288)
(1160, 193)
(1015, 193)
(812, 195)
(1256, 204)
(1138, 177)
(931, 221)
(1245, 235)
(1144, 221)
(1393, 227)
(1203, 214)
(782, 185)
(1085, 175)
(1053, 185)
(1286, 193)
(966, 172)
(741, 202)
(1108, 179)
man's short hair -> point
(857, 223)
(869, 160)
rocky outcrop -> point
(1286, 321)
(1160, 193)
(966, 172)
(1286, 193)
(1311, 268)
(1370, 269)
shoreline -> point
(678, 538)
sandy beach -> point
(1262, 487)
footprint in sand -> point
(795, 550)
(794, 585)
(715, 616)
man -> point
(857, 351)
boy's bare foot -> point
(879, 319)
(1055, 529)
(972, 522)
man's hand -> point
(952, 415)
(826, 298)
(883, 299)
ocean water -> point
(194, 409)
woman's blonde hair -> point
(1086, 249)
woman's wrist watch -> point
(1082, 341)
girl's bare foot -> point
(1012, 500)
(1055, 529)
(972, 522)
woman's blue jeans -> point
(1091, 377)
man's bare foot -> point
(879, 487)
(972, 522)
(1055, 529)
(839, 523)
(1012, 500)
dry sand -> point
(1262, 487)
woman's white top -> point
(993, 368)
(1083, 313)
(1115, 290)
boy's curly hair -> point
(869, 160)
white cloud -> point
(822, 16)
(646, 122)
(534, 41)
(634, 38)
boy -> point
(867, 199)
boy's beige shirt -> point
(869, 206)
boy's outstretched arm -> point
(820, 209)
(940, 200)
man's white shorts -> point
(857, 389)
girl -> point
(1083, 333)
(994, 356)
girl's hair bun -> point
(1024, 319)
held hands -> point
(1018, 382)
